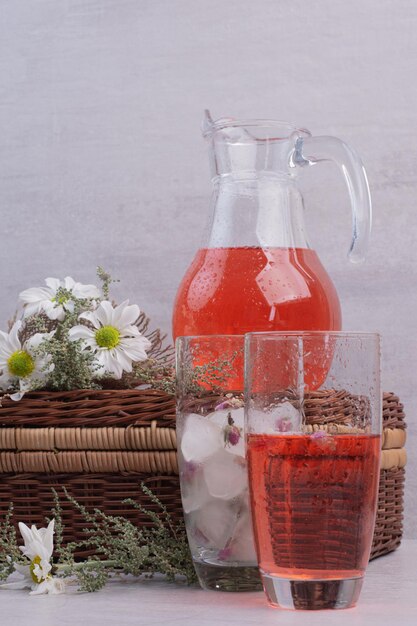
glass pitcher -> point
(256, 271)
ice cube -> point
(220, 417)
(242, 545)
(225, 475)
(215, 522)
(201, 438)
(261, 422)
(233, 436)
(194, 490)
(286, 417)
(283, 417)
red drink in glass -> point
(314, 501)
(313, 460)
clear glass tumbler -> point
(212, 464)
(313, 458)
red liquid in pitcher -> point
(232, 291)
(239, 290)
(314, 501)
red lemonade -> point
(314, 499)
(247, 289)
(232, 291)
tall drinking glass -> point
(212, 464)
(313, 459)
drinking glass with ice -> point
(211, 454)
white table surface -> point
(389, 597)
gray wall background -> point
(101, 160)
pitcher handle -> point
(312, 150)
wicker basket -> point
(102, 444)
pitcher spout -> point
(258, 146)
(207, 123)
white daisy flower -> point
(18, 363)
(116, 342)
(37, 299)
(36, 575)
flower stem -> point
(66, 567)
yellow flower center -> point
(60, 299)
(34, 562)
(107, 337)
(20, 364)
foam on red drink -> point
(314, 502)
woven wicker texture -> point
(389, 520)
(74, 461)
(102, 444)
(102, 407)
(33, 499)
(336, 407)
(393, 411)
(77, 438)
(393, 438)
